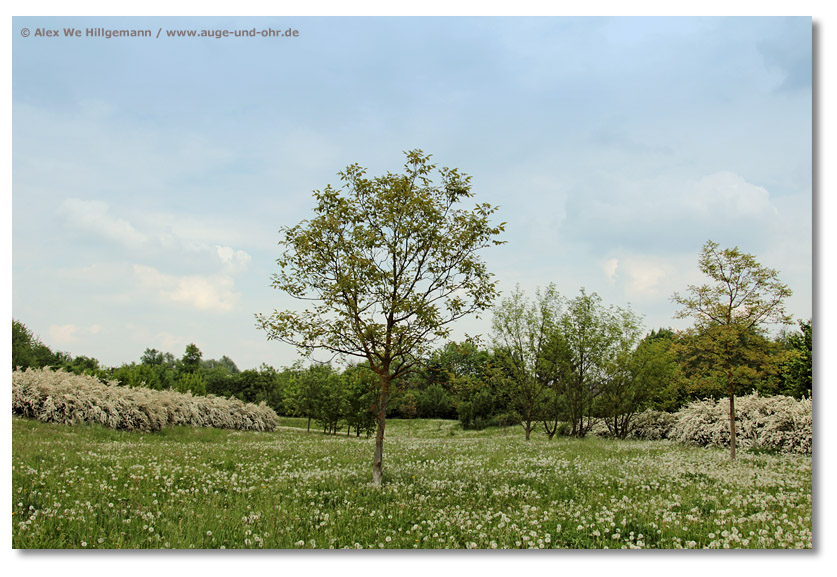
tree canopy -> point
(731, 314)
(387, 263)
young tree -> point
(743, 299)
(637, 377)
(523, 334)
(389, 263)
(590, 334)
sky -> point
(151, 176)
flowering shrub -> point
(60, 397)
(776, 423)
(652, 425)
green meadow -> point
(90, 487)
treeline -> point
(552, 362)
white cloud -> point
(213, 292)
(94, 217)
(644, 277)
(63, 334)
(236, 260)
(729, 195)
(609, 267)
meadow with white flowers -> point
(86, 486)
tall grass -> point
(91, 487)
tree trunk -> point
(377, 461)
(732, 426)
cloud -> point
(213, 292)
(235, 260)
(69, 334)
(727, 195)
(94, 217)
(644, 279)
(609, 267)
(63, 334)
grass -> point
(91, 487)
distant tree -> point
(589, 337)
(477, 410)
(191, 361)
(28, 350)
(435, 402)
(523, 333)
(797, 370)
(308, 392)
(731, 312)
(409, 408)
(224, 363)
(390, 262)
(152, 357)
(361, 396)
(332, 403)
(191, 382)
(637, 377)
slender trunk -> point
(731, 427)
(377, 461)
(309, 424)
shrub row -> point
(777, 423)
(60, 397)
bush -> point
(772, 424)
(60, 397)
(777, 423)
(652, 425)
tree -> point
(744, 297)
(362, 394)
(637, 377)
(589, 334)
(388, 263)
(523, 334)
(191, 361)
(308, 390)
(797, 370)
(152, 357)
(28, 350)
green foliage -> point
(191, 361)
(730, 316)
(361, 395)
(636, 380)
(434, 402)
(387, 263)
(797, 370)
(333, 403)
(477, 412)
(525, 350)
(28, 350)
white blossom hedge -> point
(777, 423)
(61, 397)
